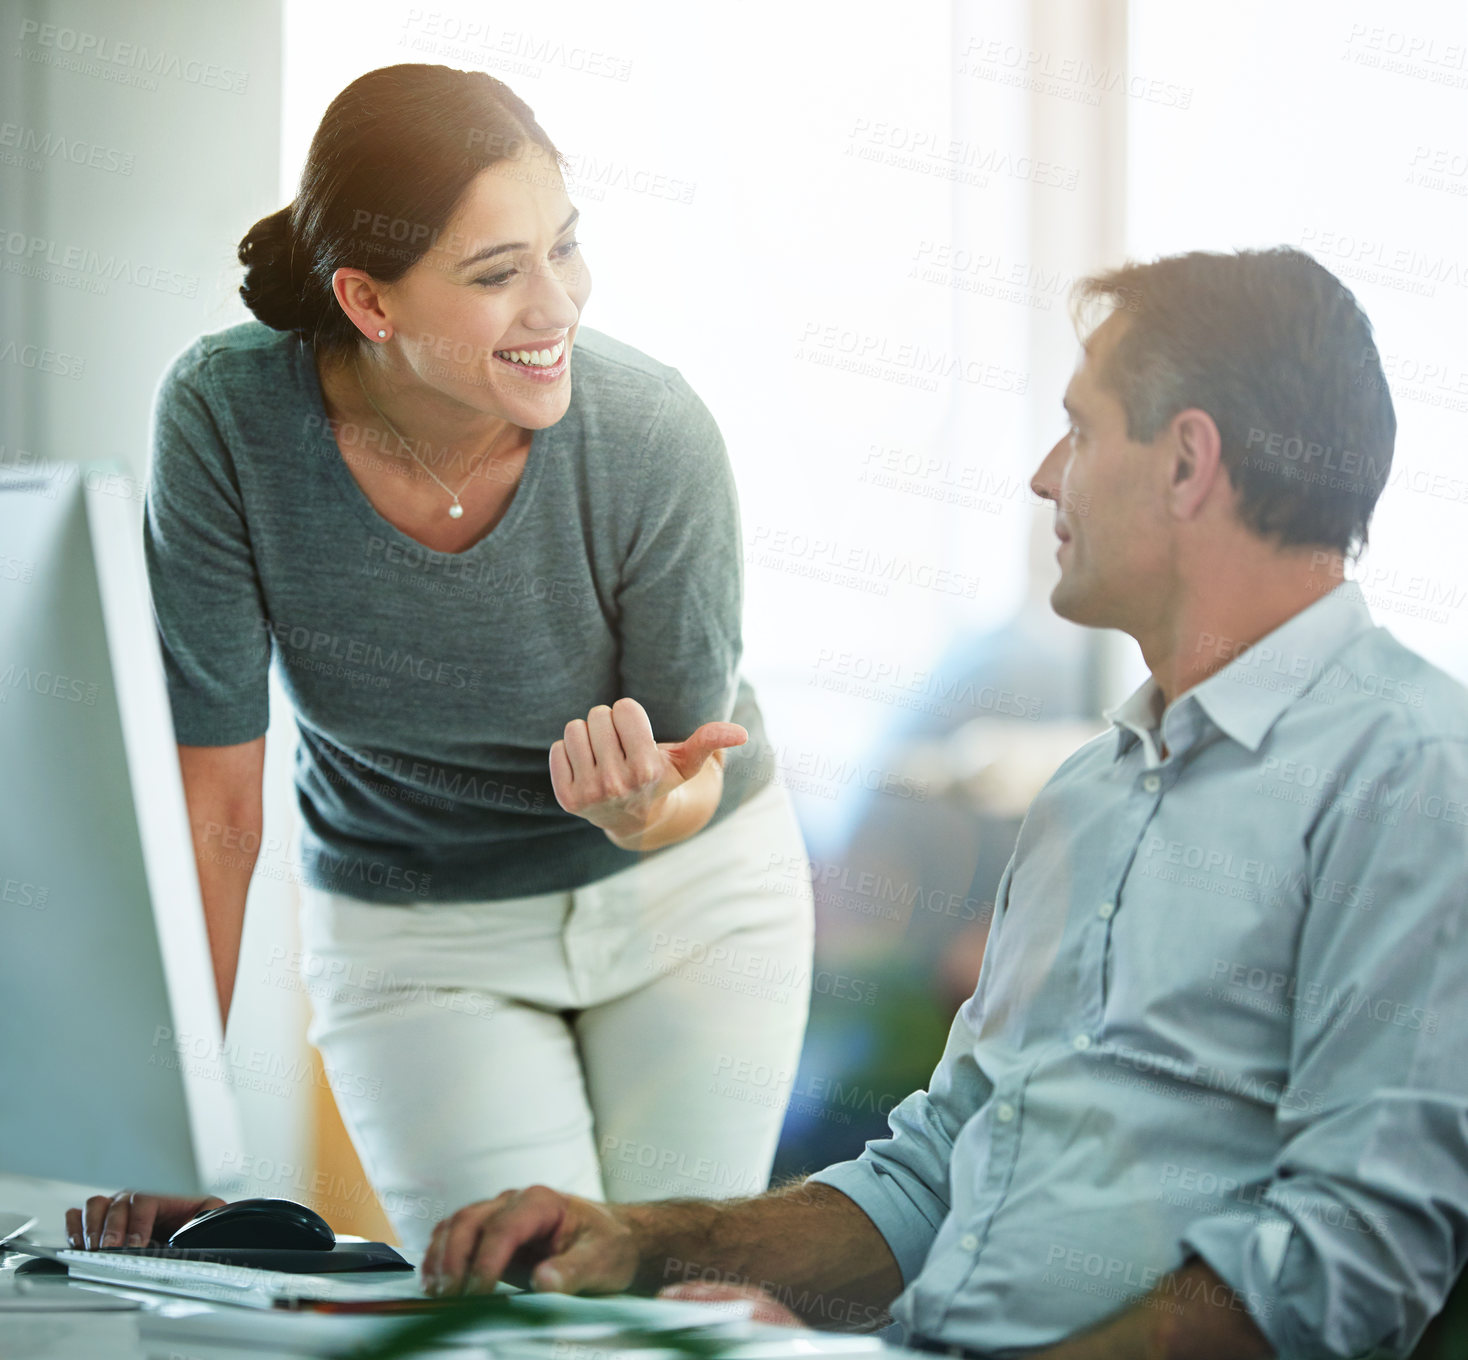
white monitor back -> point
(112, 1069)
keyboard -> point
(236, 1284)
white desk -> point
(73, 1320)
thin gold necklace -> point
(456, 510)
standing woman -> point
(497, 559)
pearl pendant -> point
(456, 511)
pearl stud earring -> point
(382, 335)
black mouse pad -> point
(342, 1258)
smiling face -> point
(1110, 494)
(487, 318)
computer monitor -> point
(112, 1068)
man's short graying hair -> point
(1278, 351)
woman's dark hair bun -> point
(275, 274)
(394, 155)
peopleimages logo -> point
(438, 781)
(53, 261)
(45, 145)
(124, 62)
(40, 358)
(1333, 1006)
(1268, 881)
(321, 646)
(342, 867)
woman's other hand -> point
(767, 1308)
(132, 1218)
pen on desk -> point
(307, 1305)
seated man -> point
(1206, 1099)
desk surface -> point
(53, 1318)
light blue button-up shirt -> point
(1223, 1011)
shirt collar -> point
(1137, 718)
(1246, 697)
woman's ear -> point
(360, 297)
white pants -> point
(633, 1039)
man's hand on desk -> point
(536, 1239)
(132, 1218)
(542, 1239)
(807, 1243)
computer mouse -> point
(278, 1224)
(39, 1265)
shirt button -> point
(1081, 1042)
(1105, 910)
(1004, 1112)
(1151, 783)
(968, 1242)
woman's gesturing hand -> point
(609, 770)
(535, 1239)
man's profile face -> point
(1110, 511)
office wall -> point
(116, 121)
(137, 143)
(1338, 129)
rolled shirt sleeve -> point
(1364, 1228)
(903, 1182)
(207, 598)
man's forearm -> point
(807, 1245)
(1191, 1315)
